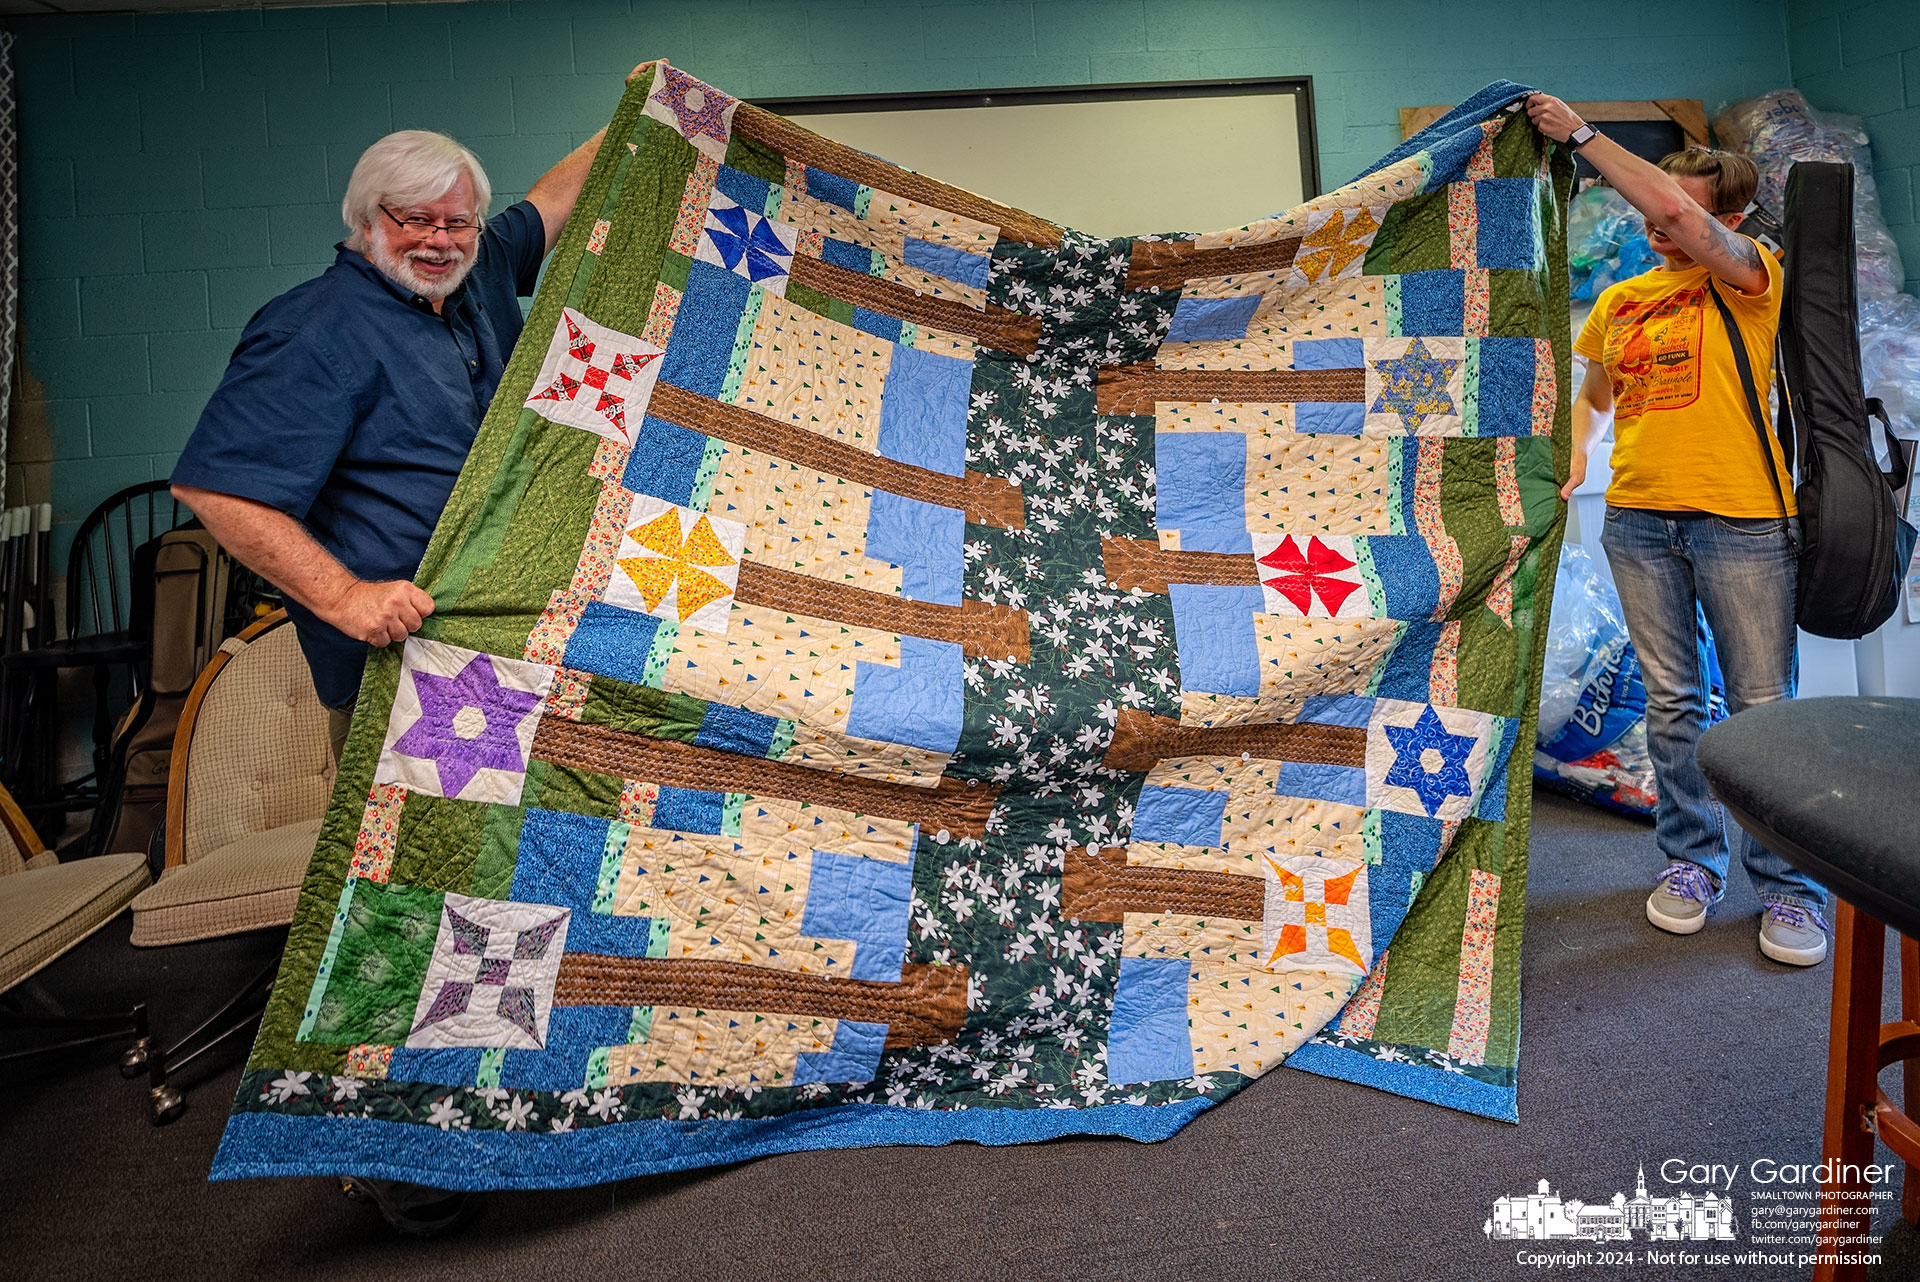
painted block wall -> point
(1863, 57)
(179, 170)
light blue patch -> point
(1185, 816)
(921, 702)
(1344, 784)
(1216, 538)
(1325, 418)
(1148, 1038)
(1198, 320)
(855, 1056)
(1201, 481)
(944, 260)
(927, 542)
(923, 410)
(866, 901)
(1338, 710)
(1213, 628)
(1328, 353)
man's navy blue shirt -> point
(350, 406)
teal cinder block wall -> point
(1864, 59)
(178, 170)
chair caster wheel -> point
(134, 1062)
(168, 1105)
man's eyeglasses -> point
(458, 230)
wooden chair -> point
(1827, 785)
(251, 774)
(100, 633)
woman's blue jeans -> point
(1741, 572)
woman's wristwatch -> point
(1582, 136)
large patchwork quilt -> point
(904, 671)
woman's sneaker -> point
(1794, 935)
(1678, 905)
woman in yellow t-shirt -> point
(1694, 522)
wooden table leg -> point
(1910, 1070)
(1859, 963)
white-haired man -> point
(327, 452)
(347, 410)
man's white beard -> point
(399, 267)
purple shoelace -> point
(1686, 881)
(1794, 916)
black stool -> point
(1830, 785)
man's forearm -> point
(272, 545)
(554, 195)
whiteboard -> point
(1114, 166)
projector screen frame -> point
(1299, 87)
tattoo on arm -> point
(1739, 248)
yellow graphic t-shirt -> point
(1683, 435)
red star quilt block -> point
(596, 379)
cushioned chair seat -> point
(248, 884)
(1828, 784)
(49, 909)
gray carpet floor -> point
(1638, 1048)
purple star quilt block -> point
(491, 978)
(462, 723)
(697, 112)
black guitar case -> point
(1854, 546)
